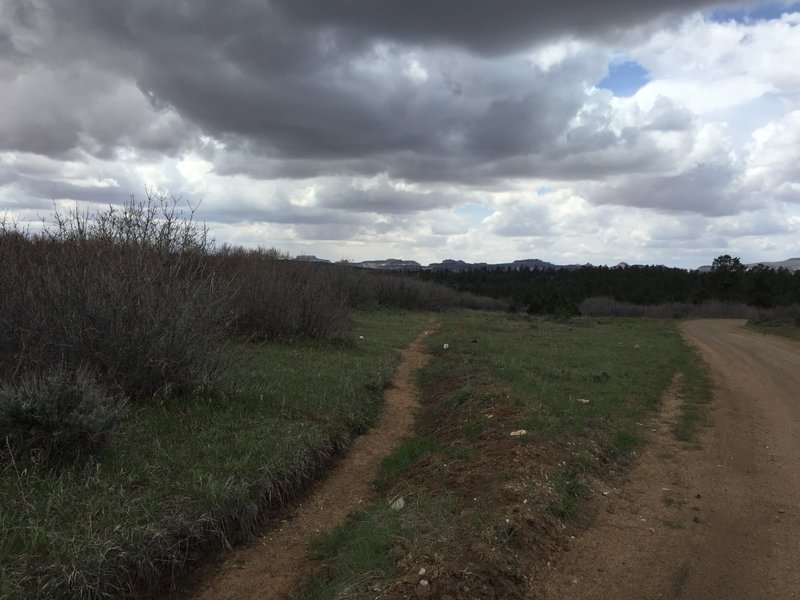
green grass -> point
(409, 451)
(541, 367)
(589, 380)
(360, 550)
(696, 393)
(551, 367)
(357, 555)
(192, 474)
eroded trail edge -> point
(272, 567)
(717, 520)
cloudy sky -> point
(647, 131)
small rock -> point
(446, 346)
(518, 432)
(397, 503)
(422, 571)
(423, 589)
(697, 519)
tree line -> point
(561, 291)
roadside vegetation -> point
(784, 321)
(525, 420)
(157, 393)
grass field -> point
(191, 476)
(581, 389)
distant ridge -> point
(397, 264)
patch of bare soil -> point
(498, 495)
(275, 564)
(719, 520)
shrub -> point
(277, 297)
(368, 289)
(129, 293)
(61, 417)
(711, 309)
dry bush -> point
(712, 309)
(369, 289)
(128, 293)
(778, 315)
(277, 297)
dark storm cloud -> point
(482, 26)
(421, 92)
(294, 77)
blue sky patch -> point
(476, 211)
(624, 78)
(763, 12)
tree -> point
(727, 275)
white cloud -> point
(383, 146)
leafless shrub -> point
(778, 315)
(277, 297)
(369, 289)
(609, 307)
(129, 293)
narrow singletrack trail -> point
(273, 566)
(719, 520)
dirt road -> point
(273, 566)
(716, 521)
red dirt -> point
(273, 566)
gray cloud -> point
(319, 83)
(707, 188)
(347, 94)
(521, 221)
(482, 26)
(382, 198)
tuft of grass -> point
(357, 555)
(696, 393)
(624, 442)
(460, 452)
(571, 490)
(193, 475)
(407, 453)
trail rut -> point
(273, 566)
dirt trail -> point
(718, 521)
(271, 567)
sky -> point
(575, 131)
